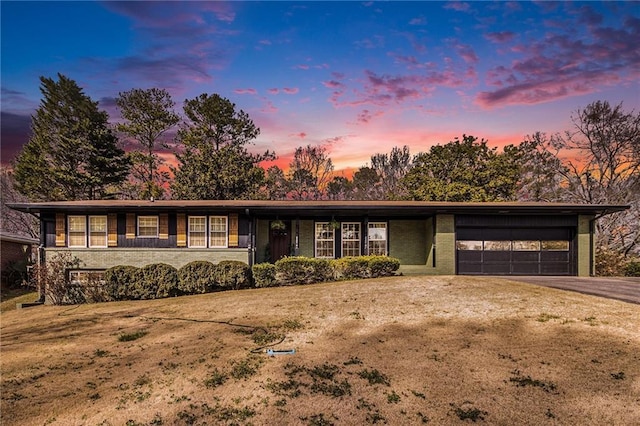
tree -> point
(340, 188)
(541, 171)
(391, 168)
(214, 163)
(276, 185)
(366, 183)
(604, 168)
(310, 172)
(72, 154)
(229, 173)
(14, 222)
(461, 171)
(148, 114)
(215, 121)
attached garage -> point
(516, 245)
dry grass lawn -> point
(398, 351)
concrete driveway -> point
(626, 289)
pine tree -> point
(214, 163)
(148, 115)
(72, 154)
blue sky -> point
(358, 77)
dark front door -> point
(280, 240)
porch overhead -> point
(326, 207)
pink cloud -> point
(273, 91)
(458, 6)
(246, 91)
(290, 90)
(561, 65)
(500, 37)
(333, 84)
(383, 90)
(467, 53)
(365, 116)
(300, 135)
(420, 20)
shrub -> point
(303, 270)
(264, 275)
(609, 262)
(233, 274)
(52, 279)
(158, 280)
(356, 267)
(383, 266)
(120, 282)
(352, 267)
(632, 269)
(197, 277)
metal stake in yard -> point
(273, 352)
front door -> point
(280, 240)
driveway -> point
(626, 289)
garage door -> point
(497, 251)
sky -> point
(356, 77)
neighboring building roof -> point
(391, 208)
(20, 239)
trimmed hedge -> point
(358, 267)
(264, 275)
(197, 277)
(352, 267)
(303, 270)
(121, 280)
(158, 280)
(233, 274)
(383, 266)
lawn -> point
(400, 350)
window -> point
(97, 231)
(197, 231)
(148, 226)
(325, 238)
(217, 231)
(77, 231)
(555, 245)
(526, 245)
(86, 277)
(497, 245)
(377, 238)
(350, 239)
(468, 245)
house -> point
(505, 238)
(16, 251)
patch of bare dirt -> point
(402, 350)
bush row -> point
(304, 270)
(160, 280)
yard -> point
(401, 350)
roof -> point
(266, 207)
(20, 239)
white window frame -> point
(386, 236)
(86, 276)
(212, 222)
(91, 232)
(157, 219)
(84, 221)
(189, 231)
(319, 226)
(344, 240)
